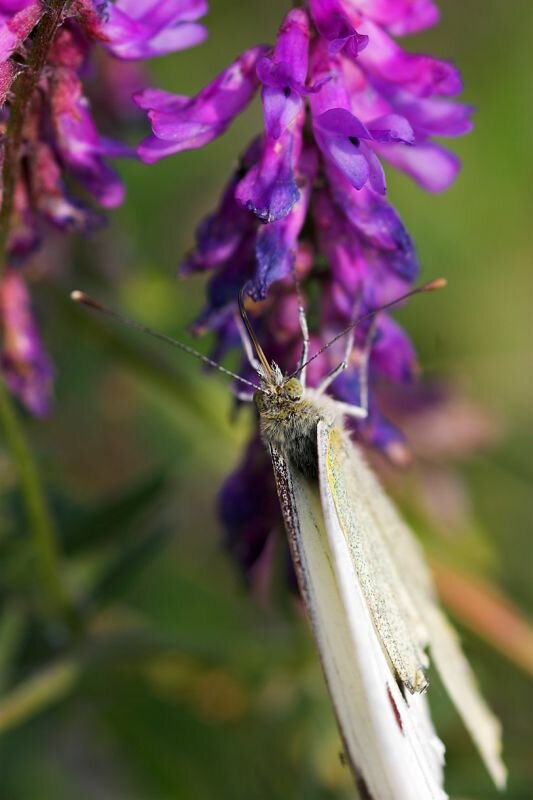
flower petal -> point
(277, 243)
(334, 25)
(204, 117)
(433, 167)
(269, 188)
(25, 365)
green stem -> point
(37, 693)
(22, 92)
(39, 517)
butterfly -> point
(367, 591)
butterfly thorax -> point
(288, 422)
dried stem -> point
(22, 92)
(488, 613)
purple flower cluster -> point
(62, 167)
(307, 202)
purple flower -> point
(284, 74)
(222, 232)
(25, 366)
(80, 146)
(139, 29)
(343, 138)
(276, 244)
(334, 104)
(15, 29)
(182, 123)
(269, 188)
(61, 146)
(335, 27)
(399, 17)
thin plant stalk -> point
(40, 519)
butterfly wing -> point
(354, 499)
(348, 516)
(390, 744)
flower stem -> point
(22, 92)
(39, 517)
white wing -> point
(396, 617)
(390, 744)
(355, 503)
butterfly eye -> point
(293, 389)
(259, 400)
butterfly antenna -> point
(257, 347)
(432, 286)
(86, 300)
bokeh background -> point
(185, 686)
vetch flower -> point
(284, 74)
(182, 123)
(334, 26)
(139, 29)
(55, 155)
(307, 201)
(314, 183)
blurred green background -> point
(187, 687)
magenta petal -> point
(206, 116)
(138, 30)
(347, 156)
(430, 165)
(221, 233)
(376, 175)
(399, 17)
(15, 30)
(159, 100)
(435, 116)
(170, 41)
(277, 243)
(152, 149)
(281, 107)
(269, 188)
(393, 353)
(342, 122)
(292, 45)
(335, 26)
(284, 74)
(391, 128)
(24, 363)
(340, 136)
(419, 74)
(8, 72)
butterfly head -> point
(278, 391)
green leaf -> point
(124, 569)
(112, 520)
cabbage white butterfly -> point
(362, 577)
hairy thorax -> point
(290, 426)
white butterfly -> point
(367, 591)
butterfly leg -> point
(302, 368)
(336, 371)
(356, 412)
(363, 367)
